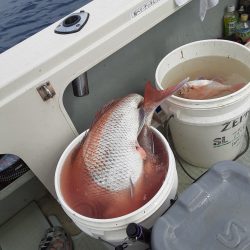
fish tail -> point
(153, 97)
(237, 86)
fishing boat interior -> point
(54, 82)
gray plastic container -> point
(213, 213)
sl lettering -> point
(219, 141)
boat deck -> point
(25, 230)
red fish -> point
(106, 174)
(207, 89)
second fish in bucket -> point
(209, 117)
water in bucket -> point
(226, 75)
(87, 198)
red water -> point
(84, 196)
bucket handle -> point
(171, 142)
(179, 159)
(247, 146)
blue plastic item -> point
(212, 214)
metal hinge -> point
(46, 91)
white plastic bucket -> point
(114, 230)
(206, 131)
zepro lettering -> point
(231, 132)
(231, 124)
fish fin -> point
(237, 86)
(84, 138)
(154, 97)
(141, 151)
(82, 145)
(132, 188)
(148, 144)
(102, 110)
(142, 119)
(152, 142)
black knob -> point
(133, 230)
(137, 232)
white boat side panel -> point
(38, 131)
(107, 30)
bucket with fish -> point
(120, 171)
(208, 116)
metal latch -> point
(46, 91)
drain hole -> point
(72, 20)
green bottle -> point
(230, 21)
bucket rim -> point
(199, 103)
(125, 219)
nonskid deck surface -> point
(25, 230)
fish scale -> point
(112, 155)
(109, 174)
(115, 161)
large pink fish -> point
(113, 156)
(207, 89)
